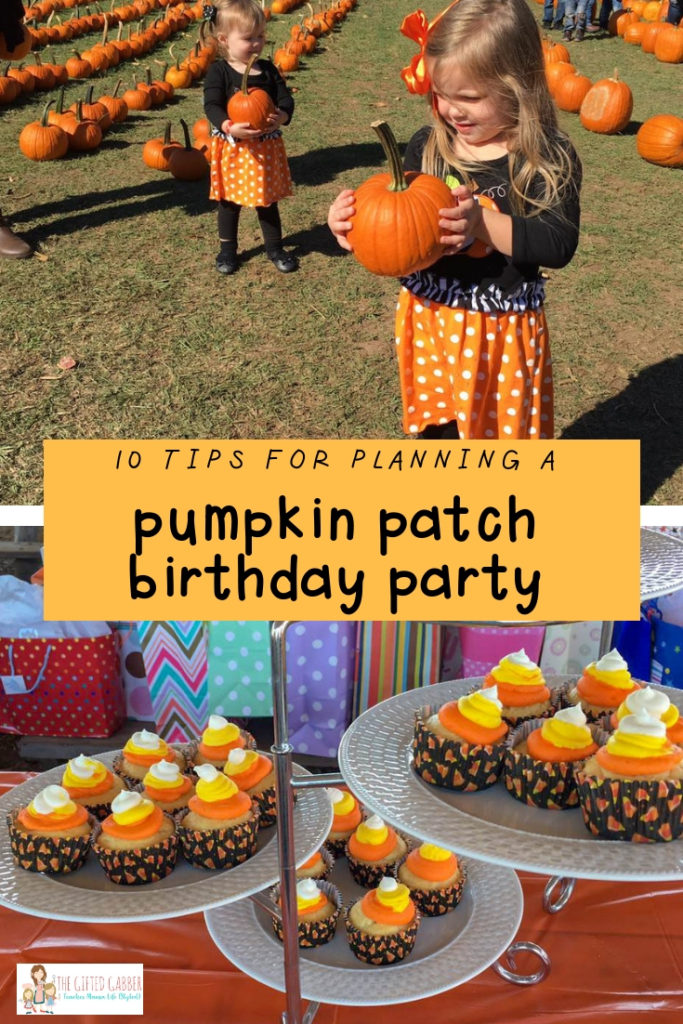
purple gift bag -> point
(320, 659)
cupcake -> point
(632, 787)
(521, 688)
(90, 784)
(254, 774)
(461, 746)
(318, 905)
(373, 851)
(142, 750)
(657, 704)
(318, 866)
(221, 826)
(137, 843)
(347, 817)
(218, 739)
(542, 755)
(603, 686)
(166, 787)
(51, 835)
(435, 878)
(382, 926)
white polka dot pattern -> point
(250, 173)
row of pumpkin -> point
(606, 106)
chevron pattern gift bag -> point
(175, 656)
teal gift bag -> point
(239, 669)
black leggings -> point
(269, 220)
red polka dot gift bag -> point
(61, 686)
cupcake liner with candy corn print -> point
(47, 854)
(221, 848)
(453, 765)
(138, 866)
(312, 933)
(632, 810)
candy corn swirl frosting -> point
(657, 704)
(310, 900)
(86, 777)
(389, 905)
(219, 738)
(606, 683)
(475, 717)
(53, 812)
(564, 737)
(248, 768)
(143, 749)
(640, 749)
(432, 864)
(373, 840)
(165, 783)
(346, 811)
(133, 819)
(217, 798)
(519, 681)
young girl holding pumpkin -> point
(471, 334)
(248, 164)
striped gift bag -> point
(392, 657)
(175, 656)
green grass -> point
(166, 348)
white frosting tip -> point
(217, 722)
(374, 822)
(574, 715)
(208, 772)
(336, 795)
(307, 889)
(237, 756)
(125, 800)
(388, 884)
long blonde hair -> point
(230, 14)
(497, 43)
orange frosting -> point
(237, 805)
(85, 791)
(347, 822)
(313, 861)
(431, 870)
(452, 718)
(169, 795)
(51, 822)
(137, 830)
(541, 750)
(514, 696)
(221, 753)
(252, 776)
(376, 911)
(371, 851)
(638, 767)
(601, 694)
(322, 900)
(147, 759)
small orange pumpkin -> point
(660, 140)
(42, 141)
(251, 106)
(669, 44)
(607, 106)
(571, 91)
(185, 162)
(115, 104)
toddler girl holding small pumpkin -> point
(248, 160)
(471, 334)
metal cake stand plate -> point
(88, 895)
(449, 950)
(375, 759)
(661, 564)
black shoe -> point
(546, 24)
(227, 262)
(284, 261)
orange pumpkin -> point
(395, 229)
(607, 106)
(633, 33)
(42, 141)
(555, 72)
(156, 152)
(116, 105)
(556, 51)
(660, 140)
(251, 106)
(571, 91)
(669, 44)
(185, 162)
(84, 134)
(647, 43)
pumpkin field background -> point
(124, 285)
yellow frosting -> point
(372, 831)
(482, 708)
(307, 894)
(163, 775)
(517, 670)
(653, 701)
(639, 736)
(431, 852)
(131, 808)
(237, 765)
(53, 800)
(562, 731)
(612, 670)
(396, 896)
(83, 773)
(220, 787)
(145, 742)
(219, 732)
(345, 805)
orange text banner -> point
(342, 529)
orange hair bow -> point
(416, 27)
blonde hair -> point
(231, 14)
(498, 44)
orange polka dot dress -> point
(471, 333)
(249, 172)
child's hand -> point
(459, 223)
(339, 217)
(240, 130)
(275, 119)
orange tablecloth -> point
(616, 951)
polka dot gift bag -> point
(239, 669)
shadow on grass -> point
(321, 165)
(647, 410)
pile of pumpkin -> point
(606, 107)
(305, 34)
(81, 128)
(187, 162)
(56, 31)
(641, 24)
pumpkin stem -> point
(88, 94)
(615, 76)
(105, 30)
(167, 134)
(390, 147)
(186, 133)
(245, 76)
(46, 108)
(116, 89)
